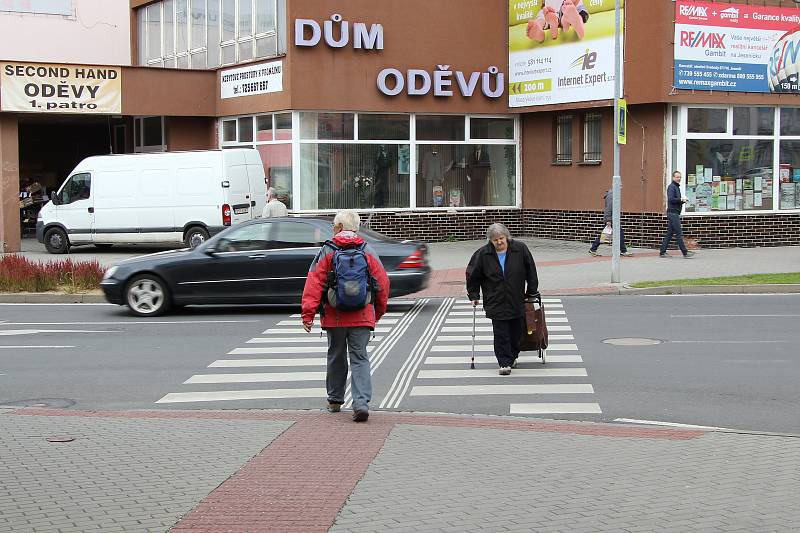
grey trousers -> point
(341, 343)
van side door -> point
(76, 208)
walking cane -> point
(474, 310)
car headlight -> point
(110, 272)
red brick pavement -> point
(300, 482)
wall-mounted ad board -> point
(54, 88)
(251, 80)
(37, 7)
(745, 48)
(561, 52)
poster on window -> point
(746, 48)
(561, 51)
(52, 88)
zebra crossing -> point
(286, 362)
(444, 372)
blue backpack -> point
(350, 285)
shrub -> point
(19, 274)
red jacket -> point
(317, 280)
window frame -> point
(560, 120)
(598, 117)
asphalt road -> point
(719, 361)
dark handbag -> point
(534, 336)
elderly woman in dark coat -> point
(504, 271)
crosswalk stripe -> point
(288, 349)
(465, 359)
(314, 331)
(295, 322)
(260, 377)
(322, 342)
(474, 390)
(386, 315)
(492, 373)
(480, 307)
(554, 408)
(245, 363)
(480, 320)
(545, 300)
(311, 339)
(452, 338)
(319, 350)
(462, 329)
(490, 348)
(270, 394)
(549, 312)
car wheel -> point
(147, 295)
(103, 246)
(194, 237)
(56, 242)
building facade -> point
(415, 113)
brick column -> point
(9, 184)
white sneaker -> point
(514, 362)
(504, 370)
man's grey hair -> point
(496, 230)
(272, 193)
(349, 219)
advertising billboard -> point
(744, 48)
(560, 51)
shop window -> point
(789, 175)
(491, 128)
(354, 176)
(707, 120)
(245, 129)
(753, 121)
(264, 128)
(729, 175)
(592, 138)
(277, 160)
(790, 121)
(465, 175)
(376, 127)
(149, 134)
(441, 128)
(338, 126)
(563, 140)
(283, 126)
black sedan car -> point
(263, 261)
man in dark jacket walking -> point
(504, 271)
(607, 218)
(348, 331)
(674, 207)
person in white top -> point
(274, 207)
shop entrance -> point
(50, 147)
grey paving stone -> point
(120, 473)
(583, 483)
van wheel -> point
(56, 242)
(194, 237)
(103, 246)
(147, 295)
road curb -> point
(712, 289)
(50, 298)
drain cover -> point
(633, 341)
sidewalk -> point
(564, 267)
(263, 471)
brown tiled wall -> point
(641, 229)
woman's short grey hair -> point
(349, 219)
(496, 230)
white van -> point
(153, 198)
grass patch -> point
(749, 279)
(19, 274)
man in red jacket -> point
(347, 330)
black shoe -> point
(360, 416)
(664, 255)
(688, 255)
(334, 407)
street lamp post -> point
(616, 182)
